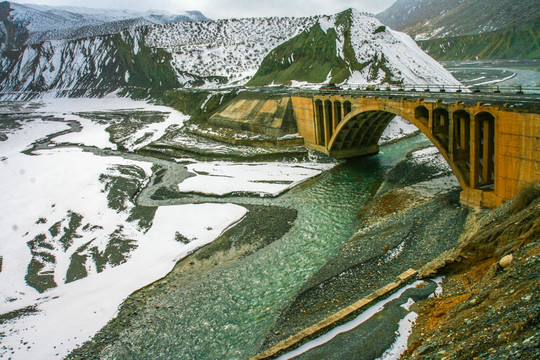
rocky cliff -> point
(490, 306)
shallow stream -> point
(227, 313)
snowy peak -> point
(42, 17)
(350, 48)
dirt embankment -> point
(490, 306)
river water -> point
(496, 72)
(228, 312)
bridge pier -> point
(493, 151)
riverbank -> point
(490, 305)
(155, 307)
(415, 216)
(147, 307)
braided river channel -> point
(226, 312)
(74, 252)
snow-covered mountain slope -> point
(87, 67)
(358, 50)
(231, 49)
(38, 23)
(349, 47)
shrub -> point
(381, 28)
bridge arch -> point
(421, 113)
(362, 129)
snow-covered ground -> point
(431, 155)
(94, 134)
(265, 179)
(442, 182)
(54, 192)
(397, 129)
(70, 227)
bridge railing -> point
(486, 88)
(346, 89)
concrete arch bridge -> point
(494, 151)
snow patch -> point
(265, 179)
(398, 128)
(327, 22)
(404, 331)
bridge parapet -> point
(494, 151)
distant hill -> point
(24, 24)
(346, 48)
(350, 48)
(466, 29)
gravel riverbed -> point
(402, 230)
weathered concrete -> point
(493, 151)
(258, 112)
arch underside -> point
(359, 134)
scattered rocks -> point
(411, 238)
(506, 261)
(483, 312)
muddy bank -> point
(151, 304)
(378, 331)
(371, 259)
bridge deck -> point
(524, 102)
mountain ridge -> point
(428, 19)
(28, 24)
(496, 28)
(350, 48)
(222, 53)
